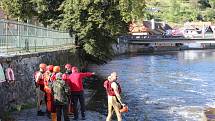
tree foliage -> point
(176, 11)
(21, 9)
(49, 12)
(95, 23)
(180, 11)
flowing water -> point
(170, 86)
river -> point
(167, 86)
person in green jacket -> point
(60, 92)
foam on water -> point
(188, 113)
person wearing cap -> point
(67, 73)
(113, 90)
(48, 91)
(60, 92)
(39, 82)
(56, 70)
(77, 90)
(65, 77)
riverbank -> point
(92, 85)
(30, 114)
(123, 47)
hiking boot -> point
(40, 113)
(83, 118)
(75, 119)
(49, 115)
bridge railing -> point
(138, 37)
(146, 37)
(16, 37)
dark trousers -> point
(59, 109)
(78, 96)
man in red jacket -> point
(77, 90)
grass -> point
(7, 115)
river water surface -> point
(170, 86)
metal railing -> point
(17, 37)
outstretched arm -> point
(87, 74)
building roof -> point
(146, 26)
(158, 27)
(208, 30)
(167, 27)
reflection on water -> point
(173, 86)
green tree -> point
(177, 11)
(20, 9)
(209, 15)
(95, 23)
(204, 4)
(212, 3)
(132, 9)
(49, 12)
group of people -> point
(61, 91)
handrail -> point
(17, 37)
(26, 24)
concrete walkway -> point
(31, 114)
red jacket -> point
(76, 80)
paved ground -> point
(30, 114)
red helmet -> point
(56, 69)
(50, 67)
(42, 66)
(68, 66)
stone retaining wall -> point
(22, 91)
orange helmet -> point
(68, 66)
(56, 69)
(124, 109)
(50, 67)
(42, 66)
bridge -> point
(143, 39)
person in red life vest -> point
(56, 70)
(48, 90)
(113, 90)
(77, 90)
(39, 81)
